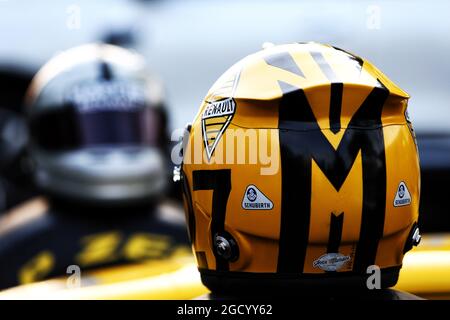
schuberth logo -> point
(254, 199)
(402, 197)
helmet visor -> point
(69, 128)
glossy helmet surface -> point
(301, 170)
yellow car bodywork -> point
(426, 269)
(425, 272)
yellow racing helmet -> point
(301, 171)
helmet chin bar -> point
(111, 178)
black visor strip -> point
(67, 128)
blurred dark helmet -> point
(15, 169)
(98, 127)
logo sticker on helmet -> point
(402, 197)
(254, 199)
(218, 113)
(97, 96)
(215, 119)
(331, 261)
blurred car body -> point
(409, 41)
(177, 278)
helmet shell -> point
(303, 159)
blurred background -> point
(189, 44)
